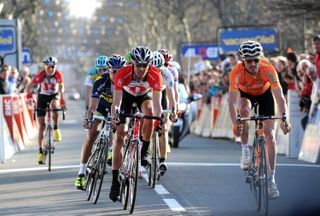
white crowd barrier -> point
(213, 121)
(17, 124)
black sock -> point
(115, 174)
(40, 150)
(55, 127)
(145, 146)
(161, 160)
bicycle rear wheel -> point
(99, 175)
(134, 171)
(264, 195)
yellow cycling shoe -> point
(56, 135)
(80, 182)
(41, 158)
(109, 160)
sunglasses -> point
(141, 65)
(50, 66)
(252, 60)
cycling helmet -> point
(157, 59)
(101, 61)
(116, 61)
(250, 49)
(166, 54)
(141, 55)
(50, 60)
(129, 57)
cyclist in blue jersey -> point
(101, 100)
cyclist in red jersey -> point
(139, 83)
(50, 90)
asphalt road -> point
(204, 178)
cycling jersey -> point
(255, 84)
(167, 78)
(123, 80)
(174, 72)
(48, 85)
(91, 76)
(103, 88)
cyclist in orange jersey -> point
(256, 80)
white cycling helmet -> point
(50, 60)
(250, 49)
(157, 59)
(141, 55)
(101, 61)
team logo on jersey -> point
(273, 79)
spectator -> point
(316, 45)
(315, 94)
(4, 74)
(281, 65)
(12, 80)
(293, 63)
(23, 80)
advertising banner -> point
(7, 113)
(231, 38)
(206, 51)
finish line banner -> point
(231, 38)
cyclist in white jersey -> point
(175, 73)
(168, 94)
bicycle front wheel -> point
(99, 175)
(264, 195)
(134, 171)
(49, 141)
(153, 171)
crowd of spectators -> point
(12, 81)
(300, 73)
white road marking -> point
(173, 205)
(160, 189)
(145, 175)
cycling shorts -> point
(42, 102)
(265, 100)
(128, 99)
(102, 108)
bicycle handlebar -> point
(102, 118)
(140, 115)
(260, 118)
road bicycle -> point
(129, 170)
(96, 165)
(257, 174)
(48, 136)
(154, 149)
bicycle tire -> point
(48, 147)
(101, 167)
(90, 175)
(133, 180)
(154, 159)
(124, 183)
(264, 206)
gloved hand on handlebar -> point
(62, 103)
(158, 125)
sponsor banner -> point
(8, 114)
(206, 51)
(17, 116)
(7, 40)
(231, 38)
